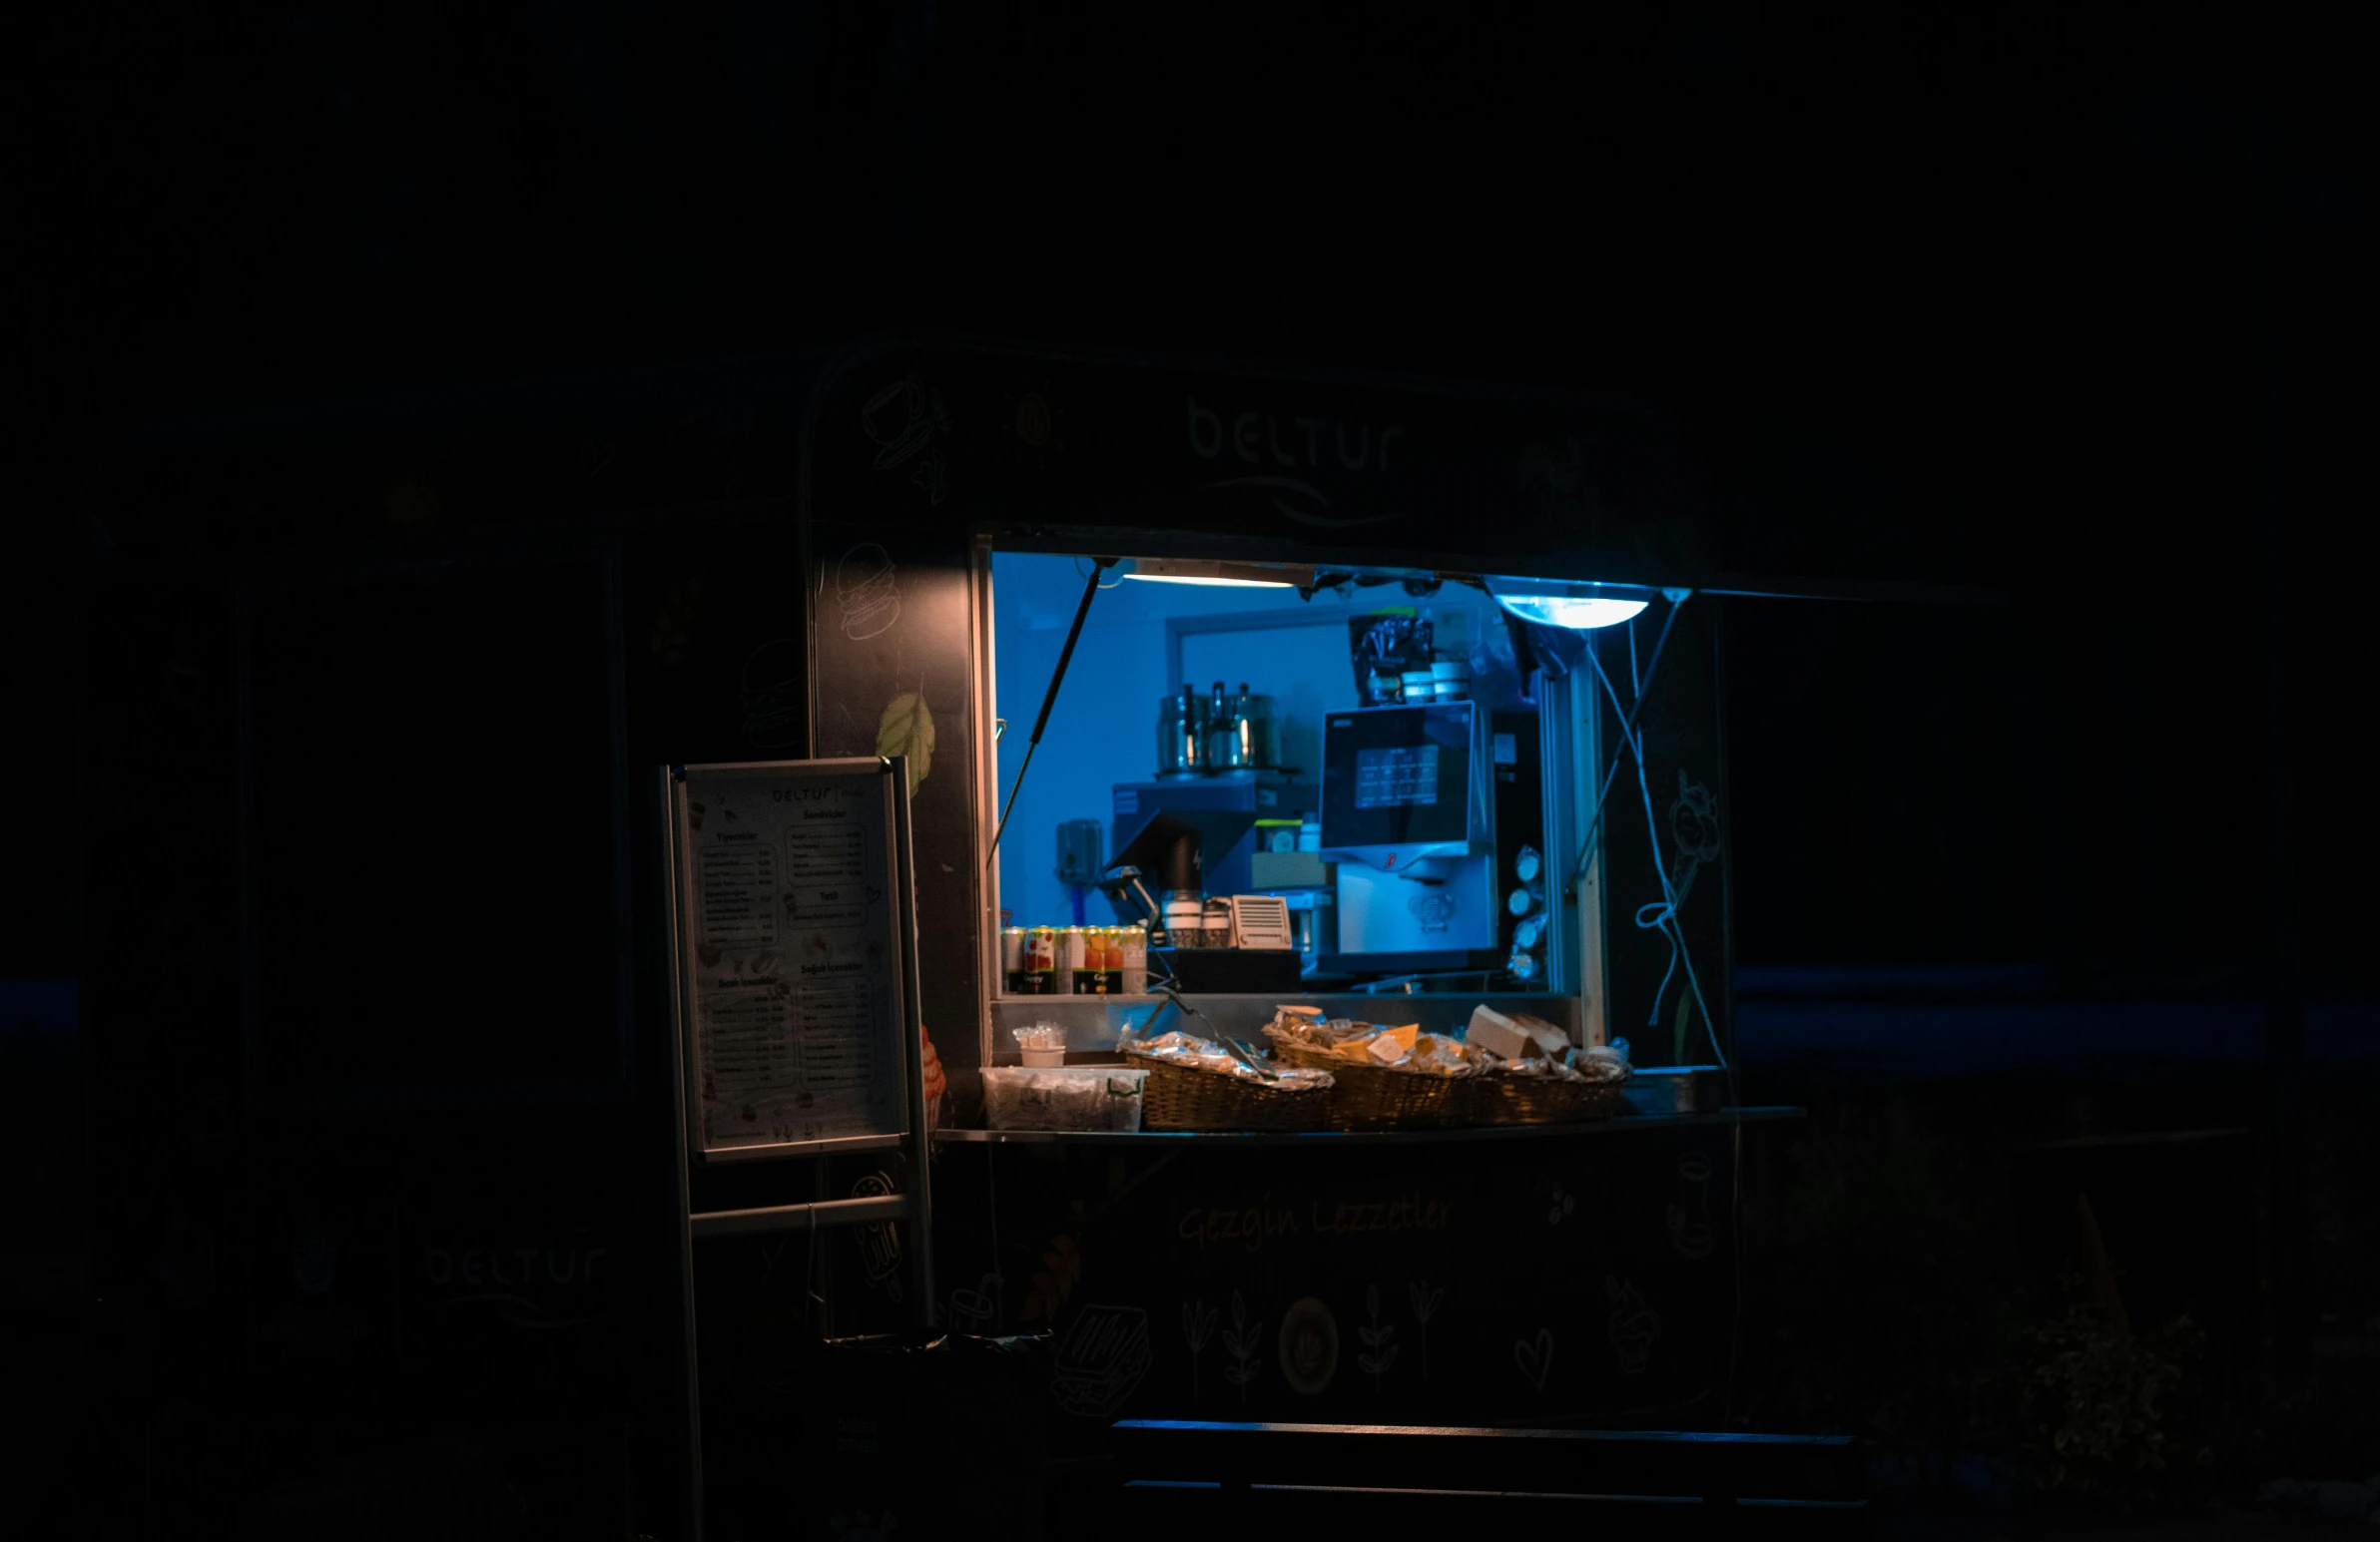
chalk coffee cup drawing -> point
(900, 419)
(866, 591)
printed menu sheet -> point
(790, 954)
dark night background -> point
(2074, 307)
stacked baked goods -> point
(1502, 1070)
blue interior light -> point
(1579, 615)
(1577, 607)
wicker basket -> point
(1539, 1100)
(1177, 1097)
(1376, 1098)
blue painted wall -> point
(1104, 728)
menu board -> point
(788, 921)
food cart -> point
(1390, 701)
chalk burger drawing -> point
(866, 591)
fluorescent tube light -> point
(1220, 575)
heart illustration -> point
(1535, 1359)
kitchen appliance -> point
(1170, 844)
(1259, 795)
(1259, 921)
(1408, 817)
(1242, 732)
(1204, 951)
(1181, 735)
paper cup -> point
(1044, 1059)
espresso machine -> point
(1408, 817)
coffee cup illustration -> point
(900, 419)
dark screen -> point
(432, 832)
(1397, 775)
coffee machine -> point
(1408, 817)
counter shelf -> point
(1334, 1139)
(1095, 1024)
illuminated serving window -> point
(1383, 759)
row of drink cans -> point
(1074, 961)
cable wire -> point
(1049, 697)
(1661, 914)
(1594, 820)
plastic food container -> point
(1068, 1098)
(1042, 1046)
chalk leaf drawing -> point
(1054, 1281)
(880, 1242)
(1105, 1354)
(1561, 1204)
(1198, 1325)
(905, 727)
(1534, 1358)
(1424, 1306)
(866, 592)
(1633, 1326)
(1242, 1341)
(1309, 1346)
(1378, 1351)
(1689, 1215)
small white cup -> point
(1043, 1058)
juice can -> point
(1012, 969)
(1132, 962)
(1069, 961)
(1040, 961)
(1091, 978)
(1111, 965)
